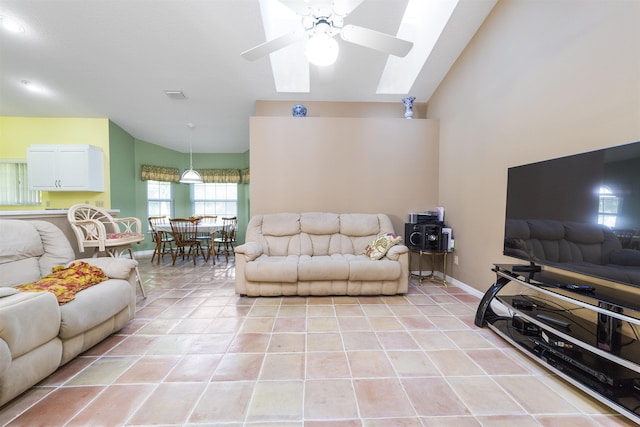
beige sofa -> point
(318, 253)
(37, 335)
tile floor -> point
(198, 354)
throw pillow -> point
(380, 245)
(64, 283)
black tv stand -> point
(588, 338)
(526, 268)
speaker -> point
(426, 237)
(608, 329)
(432, 237)
(413, 235)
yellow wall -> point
(540, 80)
(18, 133)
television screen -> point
(579, 213)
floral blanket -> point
(64, 283)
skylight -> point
(289, 66)
(423, 23)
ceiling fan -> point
(322, 20)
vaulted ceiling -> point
(117, 59)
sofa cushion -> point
(358, 225)
(320, 244)
(362, 268)
(320, 223)
(267, 268)
(19, 272)
(29, 250)
(57, 249)
(20, 249)
(282, 245)
(328, 267)
(93, 306)
(284, 224)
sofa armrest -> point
(251, 250)
(28, 320)
(114, 268)
(629, 257)
(395, 251)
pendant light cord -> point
(191, 146)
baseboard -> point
(467, 288)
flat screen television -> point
(579, 213)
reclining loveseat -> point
(318, 253)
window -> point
(14, 189)
(215, 199)
(609, 207)
(159, 200)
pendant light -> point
(191, 176)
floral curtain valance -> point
(245, 176)
(220, 176)
(160, 173)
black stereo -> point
(425, 237)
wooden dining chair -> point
(162, 240)
(225, 238)
(185, 237)
(205, 237)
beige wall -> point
(541, 79)
(344, 164)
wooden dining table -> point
(203, 227)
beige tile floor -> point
(198, 354)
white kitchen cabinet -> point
(65, 167)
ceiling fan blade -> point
(270, 46)
(375, 40)
(340, 7)
(344, 7)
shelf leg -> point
(444, 269)
(484, 311)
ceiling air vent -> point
(175, 94)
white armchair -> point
(96, 228)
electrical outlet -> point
(100, 204)
(455, 259)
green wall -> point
(121, 151)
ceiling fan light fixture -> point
(322, 49)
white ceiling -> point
(115, 58)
